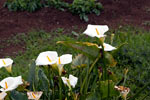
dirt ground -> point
(116, 13)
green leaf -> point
(85, 18)
(15, 95)
(31, 76)
(80, 61)
(97, 12)
(107, 89)
(43, 80)
(110, 60)
(89, 49)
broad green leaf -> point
(107, 89)
(110, 60)
(89, 49)
(43, 80)
(80, 61)
(15, 95)
(31, 76)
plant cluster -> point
(79, 7)
(84, 7)
(29, 5)
(90, 73)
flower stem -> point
(94, 63)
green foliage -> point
(84, 7)
(107, 89)
(29, 5)
(89, 49)
(43, 80)
(15, 95)
(79, 7)
(33, 5)
(80, 61)
(31, 76)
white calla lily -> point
(47, 58)
(2, 95)
(96, 30)
(72, 81)
(10, 83)
(107, 47)
(62, 60)
(7, 63)
(51, 58)
(34, 95)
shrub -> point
(84, 7)
(29, 5)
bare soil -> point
(116, 13)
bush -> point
(14, 5)
(84, 7)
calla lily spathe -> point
(96, 30)
(7, 63)
(107, 47)
(72, 81)
(62, 60)
(47, 58)
(34, 95)
(51, 58)
(10, 83)
(2, 95)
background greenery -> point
(79, 7)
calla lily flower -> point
(62, 60)
(10, 83)
(107, 47)
(47, 58)
(72, 81)
(7, 63)
(96, 30)
(123, 91)
(51, 58)
(34, 95)
(2, 95)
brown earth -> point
(116, 13)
